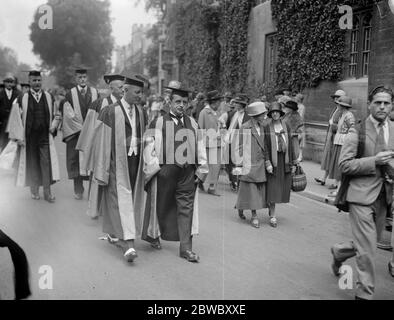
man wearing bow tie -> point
(118, 168)
(32, 125)
(174, 157)
(7, 97)
(75, 108)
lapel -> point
(391, 136)
(125, 114)
(259, 138)
(370, 132)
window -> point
(271, 51)
(360, 45)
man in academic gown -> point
(75, 108)
(32, 124)
(173, 153)
(7, 98)
(119, 168)
(85, 142)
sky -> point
(17, 15)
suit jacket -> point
(231, 116)
(253, 153)
(367, 181)
(6, 105)
(209, 120)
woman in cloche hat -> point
(251, 169)
(281, 161)
(346, 121)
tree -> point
(152, 55)
(8, 60)
(81, 34)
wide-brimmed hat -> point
(338, 93)
(276, 106)
(256, 108)
(213, 96)
(292, 105)
(345, 101)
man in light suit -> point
(209, 122)
(369, 193)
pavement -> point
(68, 261)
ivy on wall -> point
(211, 44)
(311, 45)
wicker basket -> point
(299, 182)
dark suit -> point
(369, 196)
(5, 109)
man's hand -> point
(270, 170)
(384, 157)
(293, 170)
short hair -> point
(380, 89)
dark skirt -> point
(279, 184)
(327, 153)
(251, 196)
(334, 172)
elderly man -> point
(174, 155)
(118, 168)
(364, 159)
(75, 108)
(209, 122)
(32, 124)
(85, 142)
(7, 97)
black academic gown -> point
(72, 155)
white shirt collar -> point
(113, 98)
(376, 123)
(80, 88)
(8, 92)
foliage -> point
(196, 45)
(310, 43)
(81, 35)
(9, 63)
(152, 54)
(234, 38)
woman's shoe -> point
(241, 216)
(273, 222)
(319, 181)
(332, 187)
(255, 222)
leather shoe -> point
(49, 198)
(336, 265)
(35, 196)
(130, 255)
(190, 256)
(156, 245)
(78, 196)
(391, 269)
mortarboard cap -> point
(34, 73)
(144, 79)
(81, 69)
(108, 78)
(134, 82)
(178, 91)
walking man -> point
(32, 124)
(75, 108)
(118, 168)
(174, 157)
(364, 158)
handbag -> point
(298, 183)
(8, 156)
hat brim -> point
(344, 105)
(214, 99)
(257, 114)
(272, 111)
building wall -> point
(260, 25)
(382, 58)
